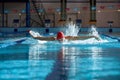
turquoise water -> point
(75, 60)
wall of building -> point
(107, 10)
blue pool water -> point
(28, 59)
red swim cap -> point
(60, 35)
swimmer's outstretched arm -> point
(43, 38)
(80, 37)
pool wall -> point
(52, 29)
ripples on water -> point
(75, 60)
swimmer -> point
(61, 37)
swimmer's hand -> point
(34, 34)
(97, 38)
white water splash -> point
(72, 29)
(94, 32)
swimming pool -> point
(28, 59)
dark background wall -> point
(107, 10)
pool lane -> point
(113, 36)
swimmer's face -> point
(61, 40)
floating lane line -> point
(112, 37)
(6, 44)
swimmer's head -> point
(60, 36)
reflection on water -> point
(75, 63)
(48, 62)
